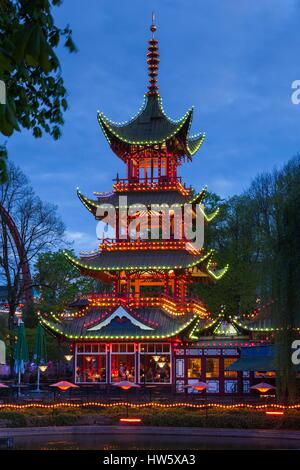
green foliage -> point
(13, 419)
(231, 236)
(36, 96)
(58, 281)
(182, 417)
(257, 233)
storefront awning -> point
(255, 358)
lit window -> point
(194, 368)
(212, 367)
(155, 365)
(227, 362)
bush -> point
(13, 419)
(181, 417)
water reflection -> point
(147, 442)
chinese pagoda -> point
(148, 329)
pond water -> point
(148, 442)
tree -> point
(231, 235)
(59, 282)
(3, 166)
(30, 69)
(39, 227)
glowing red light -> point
(130, 420)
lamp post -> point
(126, 385)
(200, 387)
(41, 368)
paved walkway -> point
(153, 430)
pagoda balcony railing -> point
(151, 184)
(112, 244)
(168, 303)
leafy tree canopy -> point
(36, 95)
(58, 282)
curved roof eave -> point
(58, 330)
(194, 143)
(111, 128)
(80, 264)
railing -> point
(151, 184)
(171, 305)
(159, 179)
(111, 244)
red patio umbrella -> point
(263, 387)
(126, 385)
(64, 385)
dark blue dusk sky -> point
(233, 60)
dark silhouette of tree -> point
(39, 227)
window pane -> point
(122, 367)
(91, 368)
(264, 374)
(227, 362)
(194, 368)
(230, 386)
(212, 367)
(130, 348)
(166, 348)
(213, 386)
(152, 371)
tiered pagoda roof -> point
(122, 323)
(149, 136)
(151, 126)
(143, 260)
(149, 199)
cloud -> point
(82, 241)
(222, 185)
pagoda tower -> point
(133, 331)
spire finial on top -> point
(153, 25)
(153, 61)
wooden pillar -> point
(166, 285)
(221, 376)
(159, 167)
(152, 169)
(137, 289)
(108, 363)
(240, 383)
(129, 165)
(117, 228)
(136, 364)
